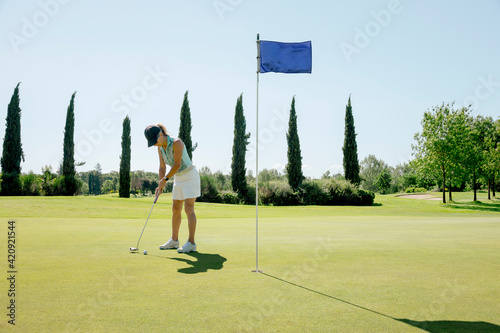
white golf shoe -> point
(188, 247)
(171, 244)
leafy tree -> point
(107, 186)
(186, 127)
(70, 183)
(240, 143)
(491, 161)
(384, 182)
(48, 181)
(135, 182)
(401, 174)
(294, 166)
(464, 155)
(153, 184)
(350, 149)
(125, 157)
(250, 177)
(267, 175)
(146, 185)
(12, 148)
(110, 182)
(434, 150)
(474, 152)
(486, 141)
(409, 179)
(114, 178)
(371, 168)
(31, 184)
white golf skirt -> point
(186, 185)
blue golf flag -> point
(280, 57)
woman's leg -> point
(176, 218)
(191, 217)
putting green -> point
(401, 266)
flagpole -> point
(280, 58)
(257, 166)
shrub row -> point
(34, 185)
(329, 192)
(48, 184)
(279, 193)
(415, 190)
(213, 189)
(216, 188)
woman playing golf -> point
(186, 188)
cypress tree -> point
(186, 127)
(294, 166)
(124, 191)
(350, 149)
(240, 143)
(91, 182)
(68, 168)
(12, 148)
(95, 181)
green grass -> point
(403, 265)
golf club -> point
(135, 249)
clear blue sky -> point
(395, 58)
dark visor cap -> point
(151, 133)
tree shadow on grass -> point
(202, 263)
(493, 206)
(452, 326)
(439, 326)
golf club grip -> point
(156, 198)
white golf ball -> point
(145, 252)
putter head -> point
(134, 249)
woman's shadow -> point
(201, 262)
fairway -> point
(402, 265)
